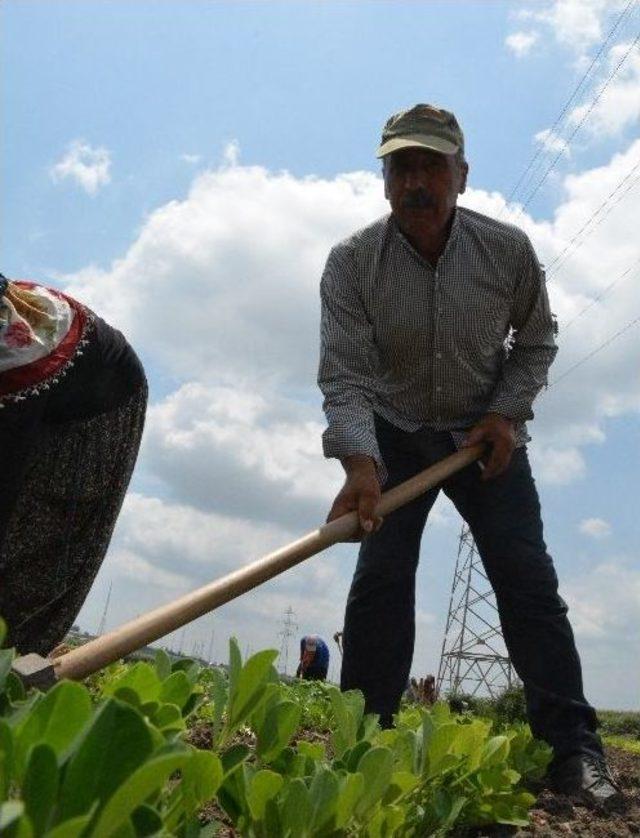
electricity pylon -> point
(288, 628)
(474, 659)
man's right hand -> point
(361, 492)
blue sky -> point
(163, 88)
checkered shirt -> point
(431, 347)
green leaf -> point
(142, 678)
(40, 786)
(353, 756)
(250, 687)
(113, 746)
(14, 688)
(232, 794)
(57, 719)
(145, 781)
(146, 821)
(351, 790)
(3, 632)
(162, 664)
(272, 695)
(201, 779)
(176, 689)
(168, 717)
(235, 665)
(190, 668)
(296, 809)
(401, 783)
(6, 659)
(6, 759)
(233, 757)
(324, 792)
(264, 786)
(311, 750)
(495, 751)
(387, 822)
(440, 741)
(376, 766)
(74, 827)
(280, 724)
(348, 710)
(219, 692)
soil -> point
(552, 815)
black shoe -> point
(588, 777)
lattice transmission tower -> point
(289, 627)
(474, 659)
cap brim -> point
(417, 141)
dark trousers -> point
(503, 515)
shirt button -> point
(438, 388)
(438, 354)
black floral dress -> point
(70, 430)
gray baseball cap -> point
(422, 126)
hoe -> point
(36, 671)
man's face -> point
(422, 186)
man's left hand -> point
(499, 433)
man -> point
(314, 659)
(436, 333)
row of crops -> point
(173, 749)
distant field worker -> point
(314, 659)
(73, 397)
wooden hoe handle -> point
(146, 628)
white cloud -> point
(618, 106)
(88, 167)
(191, 158)
(557, 466)
(575, 23)
(605, 602)
(552, 142)
(595, 527)
(520, 43)
(242, 453)
(223, 285)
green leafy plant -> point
(113, 761)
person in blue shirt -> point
(314, 659)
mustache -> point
(419, 198)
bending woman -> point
(73, 396)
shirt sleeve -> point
(525, 369)
(346, 374)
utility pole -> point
(474, 659)
(210, 655)
(182, 636)
(287, 631)
(103, 621)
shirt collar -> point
(453, 233)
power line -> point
(541, 149)
(600, 296)
(586, 115)
(563, 256)
(595, 351)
